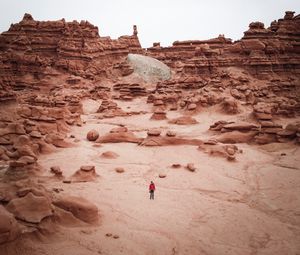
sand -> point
(250, 206)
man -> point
(151, 190)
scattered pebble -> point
(191, 167)
(119, 169)
(162, 175)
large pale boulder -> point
(149, 69)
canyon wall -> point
(31, 50)
(264, 52)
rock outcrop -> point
(35, 49)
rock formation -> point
(49, 69)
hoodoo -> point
(87, 122)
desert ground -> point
(250, 206)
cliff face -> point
(40, 48)
(264, 64)
(263, 52)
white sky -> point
(162, 21)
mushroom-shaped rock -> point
(85, 174)
(79, 207)
(92, 135)
(153, 132)
(30, 208)
(171, 133)
(159, 114)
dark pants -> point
(151, 194)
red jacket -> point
(152, 186)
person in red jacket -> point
(151, 190)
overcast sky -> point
(162, 21)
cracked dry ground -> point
(250, 206)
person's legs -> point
(151, 195)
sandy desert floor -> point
(246, 207)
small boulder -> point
(171, 133)
(56, 170)
(92, 135)
(192, 107)
(153, 132)
(109, 155)
(119, 169)
(162, 175)
(191, 167)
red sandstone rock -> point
(227, 151)
(117, 137)
(30, 208)
(170, 133)
(153, 132)
(191, 167)
(79, 207)
(230, 106)
(85, 174)
(159, 114)
(184, 120)
(56, 170)
(9, 227)
(92, 135)
(109, 155)
(236, 137)
(119, 169)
